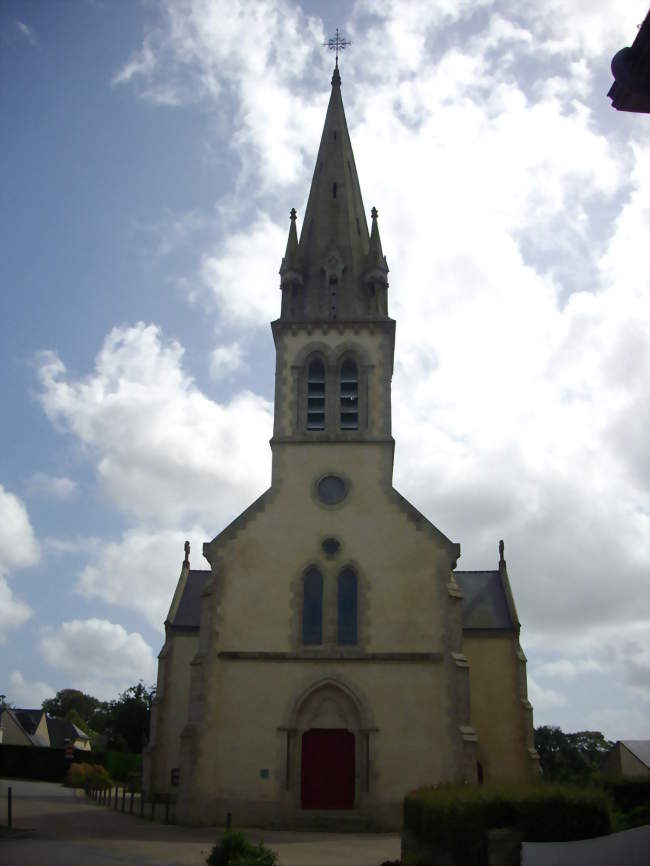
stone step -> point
(331, 820)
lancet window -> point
(312, 607)
(316, 395)
(347, 607)
(349, 395)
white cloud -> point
(544, 699)
(140, 571)
(565, 669)
(242, 275)
(142, 63)
(226, 360)
(56, 487)
(18, 545)
(98, 656)
(163, 450)
(13, 611)
(18, 549)
(27, 32)
(26, 694)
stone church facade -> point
(332, 658)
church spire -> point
(334, 247)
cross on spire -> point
(337, 43)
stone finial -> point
(374, 213)
(502, 547)
(186, 548)
(292, 214)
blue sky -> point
(151, 154)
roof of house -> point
(639, 748)
(63, 733)
(29, 720)
(188, 613)
(485, 605)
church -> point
(332, 658)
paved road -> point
(67, 830)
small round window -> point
(331, 489)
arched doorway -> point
(328, 769)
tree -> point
(67, 700)
(130, 715)
(574, 757)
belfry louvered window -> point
(316, 395)
(312, 607)
(347, 607)
(349, 396)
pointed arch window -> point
(347, 607)
(316, 395)
(349, 395)
(312, 607)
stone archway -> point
(329, 748)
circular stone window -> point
(331, 489)
(331, 546)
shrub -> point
(456, 818)
(627, 794)
(236, 850)
(87, 775)
(122, 765)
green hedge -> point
(122, 765)
(456, 818)
(628, 794)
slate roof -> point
(188, 614)
(485, 605)
(28, 719)
(639, 748)
(63, 733)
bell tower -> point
(334, 339)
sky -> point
(151, 152)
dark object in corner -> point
(631, 70)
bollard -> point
(117, 791)
(131, 804)
(228, 820)
(9, 810)
(123, 799)
(153, 807)
(142, 804)
(167, 811)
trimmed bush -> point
(87, 776)
(235, 850)
(627, 794)
(123, 765)
(457, 818)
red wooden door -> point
(327, 769)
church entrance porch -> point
(328, 769)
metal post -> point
(167, 811)
(131, 804)
(142, 804)
(153, 807)
(123, 799)
(117, 791)
(228, 820)
(9, 810)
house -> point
(628, 759)
(23, 727)
(35, 728)
(332, 658)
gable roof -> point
(485, 605)
(639, 748)
(188, 611)
(63, 733)
(29, 720)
